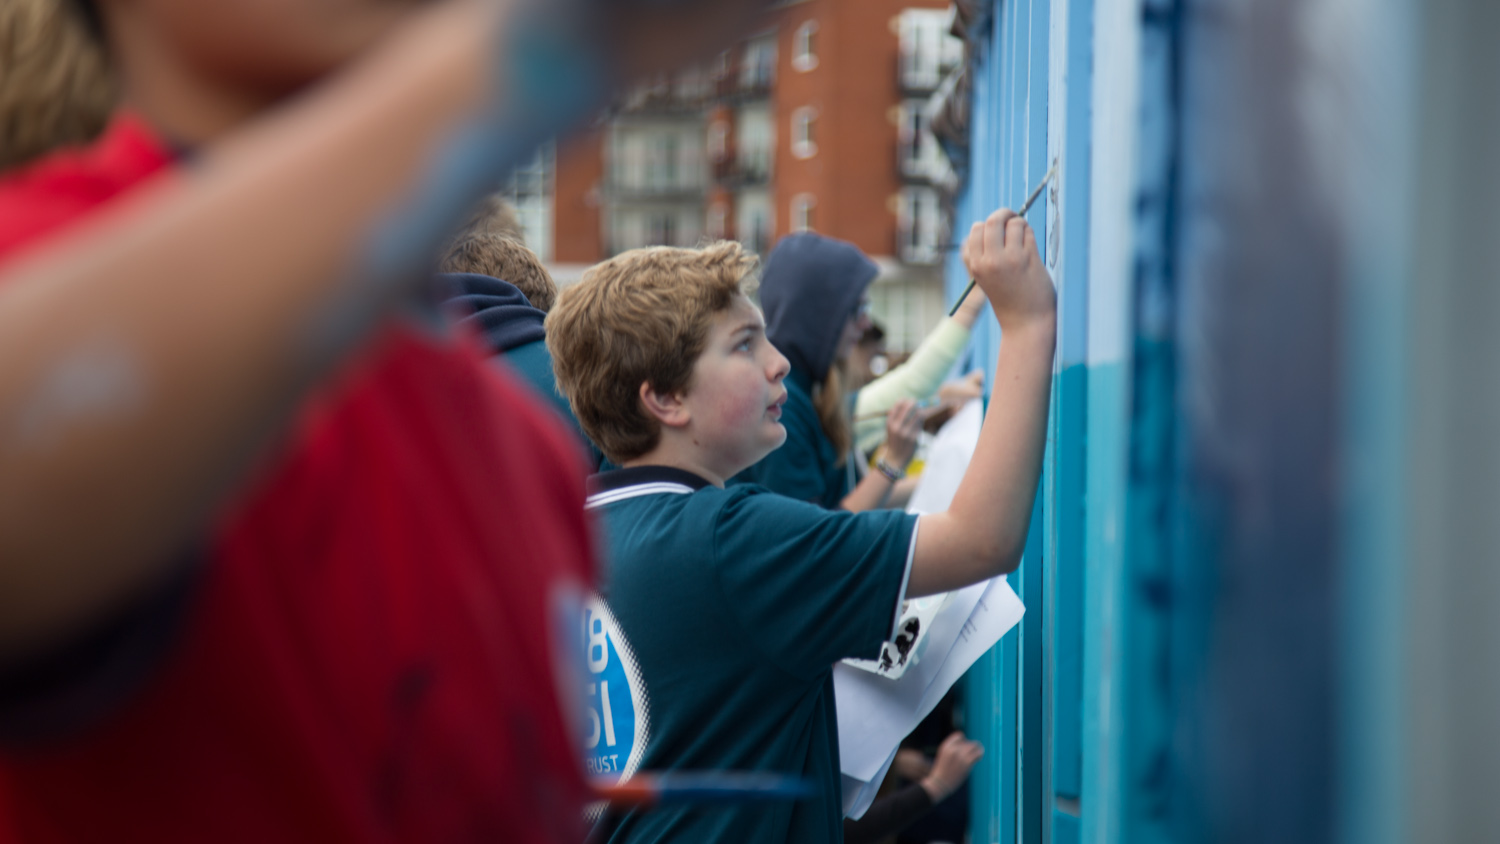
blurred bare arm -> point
(983, 531)
(147, 357)
(955, 759)
(919, 377)
(903, 426)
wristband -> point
(891, 473)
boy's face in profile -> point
(736, 393)
(271, 46)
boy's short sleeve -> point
(811, 586)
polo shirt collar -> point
(619, 484)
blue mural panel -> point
(1009, 689)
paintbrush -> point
(649, 789)
(1026, 206)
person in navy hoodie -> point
(509, 313)
(813, 290)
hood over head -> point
(498, 309)
(810, 286)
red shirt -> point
(368, 654)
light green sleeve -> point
(918, 378)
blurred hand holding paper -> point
(876, 712)
(877, 709)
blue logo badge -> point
(618, 718)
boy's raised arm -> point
(147, 358)
(984, 530)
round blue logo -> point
(618, 718)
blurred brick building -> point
(815, 122)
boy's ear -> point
(668, 408)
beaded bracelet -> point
(891, 473)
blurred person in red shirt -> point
(280, 557)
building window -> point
(917, 147)
(755, 164)
(928, 51)
(759, 68)
(661, 163)
(920, 225)
(913, 125)
(803, 206)
(804, 47)
(804, 141)
(754, 220)
(757, 234)
(760, 235)
(661, 229)
(755, 139)
(529, 189)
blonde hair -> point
(491, 254)
(56, 85)
(641, 317)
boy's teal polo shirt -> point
(723, 613)
(806, 467)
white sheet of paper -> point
(876, 712)
(858, 794)
(947, 460)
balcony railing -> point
(656, 188)
(743, 170)
(923, 254)
(666, 97)
(665, 172)
(652, 236)
(743, 87)
(917, 74)
(922, 161)
(921, 225)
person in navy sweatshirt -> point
(814, 290)
(499, 288)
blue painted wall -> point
(1176, 676)
(1023, 699)
(1072, 700)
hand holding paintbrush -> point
(1025, 206)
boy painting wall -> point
(733, 604)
